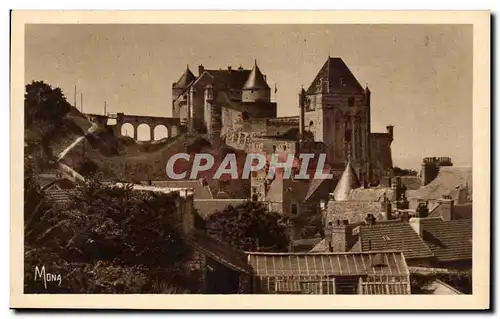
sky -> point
(420, 76)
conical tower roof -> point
(186, 79)
(255, 80)
(348, 181)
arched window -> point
(294, 209)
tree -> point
(44, 103)
(249, 227)
(109, 240)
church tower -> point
(338, 114)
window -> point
(294, 209)
(350, 101)
(255, 198)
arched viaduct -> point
(173, 125)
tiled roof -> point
(59, 196)
(221, 252)
(353, 211)
(348, 181)
(449, 240)
(371, 194)
(208, 207)
(326, 264)
(393, 236)
(256, 79)
(338, 75)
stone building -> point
(234, 107)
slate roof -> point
(208, 207)
(338, 75)
(448, 179)
(185, 80)
(348, 181)
(326, 264)
(256, 79)
(371, 194)
(229, 79)
(449, 240)
(393, 236)
(353, 211)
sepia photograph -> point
(307, 157)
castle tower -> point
(338, 115)
(256, 88)
(178, 88)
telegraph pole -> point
(74, 101)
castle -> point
(234, 106)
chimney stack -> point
(423, 210)
(370, 219)
(446, 208)
(338, 236)
(404, 216)
(229, 68)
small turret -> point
(256, 87)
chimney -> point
(446, 208)
(404, 216)
(338, 236)
(416, 225)
(387, 209)
(229, 68)
(429, 171)
(423, 210)
(370, 219)
(201, 69)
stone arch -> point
(174, 131)
(127, 129)
(143, 132)
(160, 131)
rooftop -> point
(327, 264)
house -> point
(329, 273)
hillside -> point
(53, 125)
